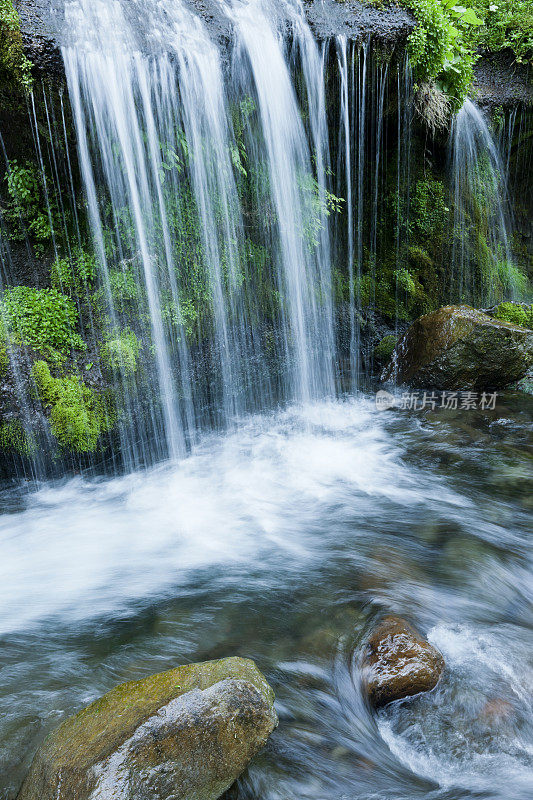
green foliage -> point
(76, 275)
(4, 361)
(15, 69)
(27, 210)
(14, 438)
(42, 319)
(405, 282)
(428, 210)
(508, 24)
(515, 313)
(77, 414)
(120, 353)
(317, 205)
(442, 47)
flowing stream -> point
(264, 507)
(283, 541)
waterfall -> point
(163, 172)
(482, 262)
(245, 205)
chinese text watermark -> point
(452, 401)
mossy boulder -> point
(398, 662)
(187, 733)
(385, 348)
(458, 347)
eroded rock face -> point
(458, 347)
(399, 663)
(187, 734)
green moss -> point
(77, 414)
(15, 69)
(42, 319)
(4, 361)
(14, 438)
(121, 353)
(429, 211)
(405, 282)
(515, 313)
(420, 259)
(384, 350)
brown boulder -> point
(399, 662)
(458, 347)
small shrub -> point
(42, 319)
(27, 209)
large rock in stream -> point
(458, 347)
(186, 734)
(399, 662)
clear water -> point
(279, 535)
(482, 264)
(283, 541)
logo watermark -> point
(452, 401)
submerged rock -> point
(187, 734)
(399, 663)
(458, 347)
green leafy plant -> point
(42, 319)
(507, 24)
(442, 47)
(27, 210)
(76, 275)
(120, 353)
(15, 68)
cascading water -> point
(249, 208)
(482, 263)
(154, 122)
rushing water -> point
(276, 520)
(283, 541)
(482, 264)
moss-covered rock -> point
(399, 663)
(458, 347)
(78, 415)
(187, 733)
(15, 439)
(384, 350)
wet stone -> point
(188, 733)
(457, 348)
(398, 662)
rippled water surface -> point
(284, 541)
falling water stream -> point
(265, 507)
